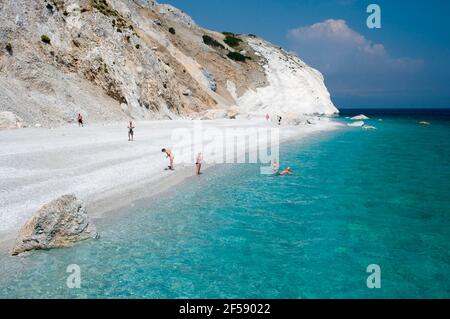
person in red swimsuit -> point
(287, 171)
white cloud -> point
(350, 61)
(338, 36)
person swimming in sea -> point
(276, 169)
(287, 171)
(170, 156)
(130, 131)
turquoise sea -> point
(357, 198)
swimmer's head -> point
(163, 150)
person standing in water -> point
(130, 131)
(267, 117)
(276, 167)
(80, 120)
(170, 156)
(198, 163)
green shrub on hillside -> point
(236, 56)
(172, 30)
(232, 41)
(212, 42)
(9, 47)
(103, 7)
(231, 34)
(107, 10)
(59, 4)
(45, 39)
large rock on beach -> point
(360, 117)
(60, 223)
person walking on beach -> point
(130, 131)
(170, 156)
(198, 163)
(80, 120)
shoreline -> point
(110, 195)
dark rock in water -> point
(60, 223)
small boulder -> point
(60, 223)
(187, 92)
(356, 124)
(360, 117)
(424, 123)
(214, 114)
(369, 127)
(232, 114)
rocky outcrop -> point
(9, 120)
(294, 89)
(61, 223)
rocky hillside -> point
(136, 59)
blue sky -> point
(406, 63)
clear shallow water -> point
(357, 198)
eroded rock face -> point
(60, 223)
(9, 120)
(101, 55)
